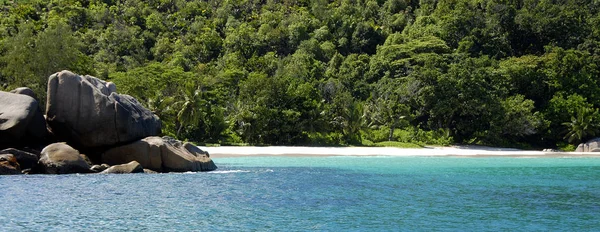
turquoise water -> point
(317, 194)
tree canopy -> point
(506, 73)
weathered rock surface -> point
(60, 158)
(131, 167)
(88, 112)
(25, 91)
(148, 171)
(589, 146)
(9, 165)
(161, 155)
(99, 167)
(26, 159)
(20, 119)
(86, 159)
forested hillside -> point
(494, 72)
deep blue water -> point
(317, 194)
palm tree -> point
(191, 110)
(582, 126)
(160, 105)
(165, 108)
(353, 121)
(387, 111)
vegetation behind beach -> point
(500, 73)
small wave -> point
(228, 171)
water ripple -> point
(317, 193)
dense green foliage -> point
(495, 72)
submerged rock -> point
(131, 167)
(60, 158)
(9, 165)
(88, 112)
(161, 155)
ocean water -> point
(317, 194)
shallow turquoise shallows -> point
(317, 194)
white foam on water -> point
(228, 171)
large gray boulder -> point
(21, 121)
(60, 158)
(161, 155)
(9, 165)
(589, 146)
(88, 112)
(131, 167)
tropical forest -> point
(510, 73)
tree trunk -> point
(391, 133)
(179, 126)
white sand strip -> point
(232, 151)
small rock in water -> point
(60, 158)
(99, 167)
(131, 167)
(9, 165)
(148, 171)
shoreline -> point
(456, 151)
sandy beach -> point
(458, 151)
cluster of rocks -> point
(87, 128)
(592, 145)
(589, 146)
